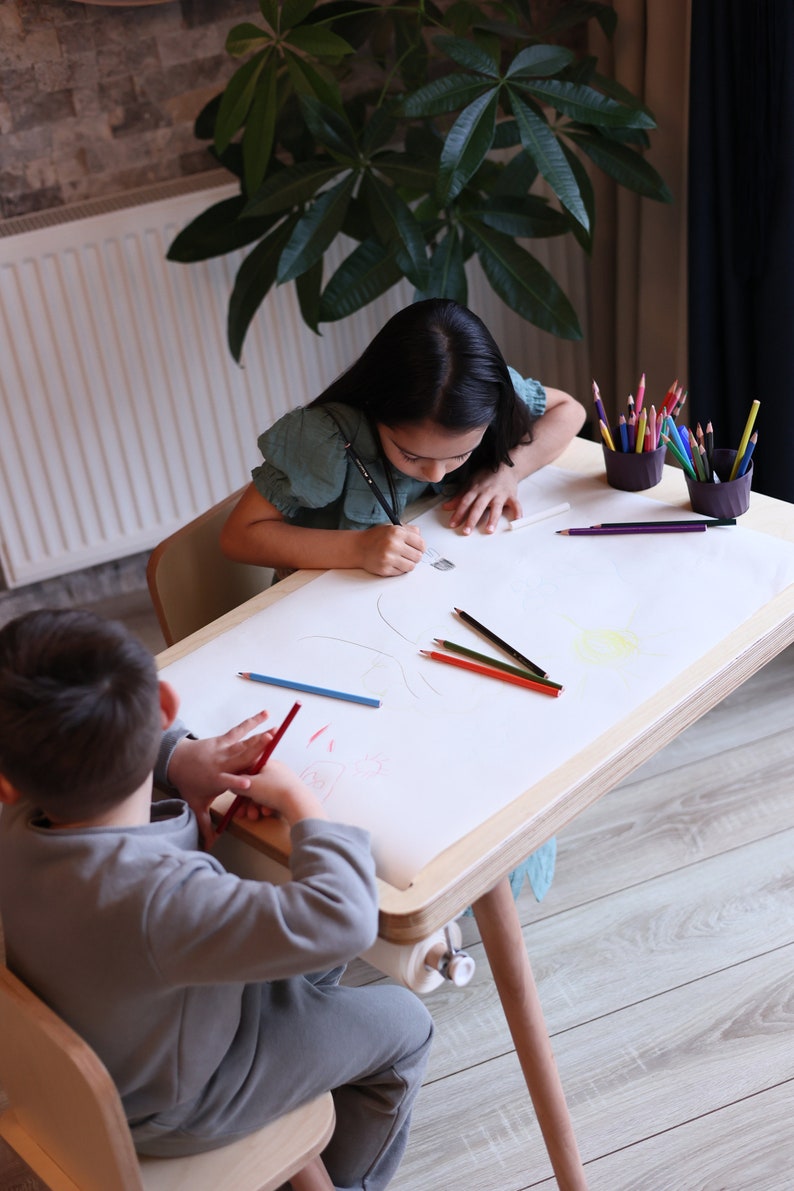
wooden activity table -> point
(473, 869)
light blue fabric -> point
(538, 869)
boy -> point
(208, 997)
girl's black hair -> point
(436, 360)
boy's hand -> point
(277, 788)
(388, 550)
(203, 769)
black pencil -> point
(492, 637)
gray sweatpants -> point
(369, 1046)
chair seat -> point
(65, 1118)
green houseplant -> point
(420, 131)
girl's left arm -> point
(492, 494)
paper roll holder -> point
(447, 957)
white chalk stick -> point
(541, 516)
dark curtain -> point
(741, 229)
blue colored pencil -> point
(745, 463)
(308, 688)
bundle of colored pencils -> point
(640, 428)
(695, 451)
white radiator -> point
(123, 414)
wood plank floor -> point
(664, 957)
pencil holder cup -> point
(633, 472)
(730, 498)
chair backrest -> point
(63, 1102)
(67, 1123)
(191, 582)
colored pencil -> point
(640, 393)
(748, 429)
(309, 689)
(541, 516)
(745, 463)
(605, 434)
(491, 672)
(624, 433)
(597, 531)
(643, 422)
(493, 662)
(709, 523)
(677, 452)
(602, 417)
(499, 643)
(260, 764)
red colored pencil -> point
(260, 764)
(491, 672)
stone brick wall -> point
(98, 100)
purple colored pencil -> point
(595, 531)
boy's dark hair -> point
(436, 360)
(80, 721)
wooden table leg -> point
(500, 928)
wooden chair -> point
(65, 1119)
(191, 582)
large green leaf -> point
(246, 37)
(626, 166)
(443, 95)
(320, 43)
(468, 54)
(447, 275)
(292, 186)
(583, 235)
(237, 99)
(295, 11)
(524, 216)
(315, 230)
(542, 145)
(254, 278)
(312, 79)
(516, 177)
(369, 271)
(539, 61)
(331, 128)
(216, 231)
(523, 283)
(586, 105)
(415, 174)
(269, 10)
(308, 287)
(467, 143)
(259, 130)
(395, 224)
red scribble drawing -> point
(321, 777)
(319, 732)
(371, 766)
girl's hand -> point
(489, 494)
(388, 550)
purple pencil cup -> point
(631, 471)
(730, 498)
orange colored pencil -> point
(490, 672)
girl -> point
(430, 400)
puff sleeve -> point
(304, 462)
(530, 391)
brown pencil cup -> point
(630, 471)
(730, 498)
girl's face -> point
(425, 450)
